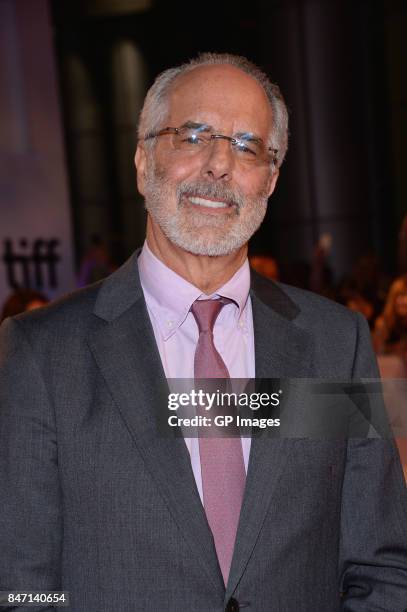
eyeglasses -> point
(197, 137)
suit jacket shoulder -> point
(330, 340)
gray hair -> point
(155, 108)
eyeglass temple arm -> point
(166, 130)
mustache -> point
(211, 190)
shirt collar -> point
(169, 296)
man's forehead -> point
(213, 71)
(219, 90)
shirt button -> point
(169, 323)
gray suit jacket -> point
(95, 503)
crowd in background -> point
(379, 297)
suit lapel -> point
(125, 350)
(282, 350)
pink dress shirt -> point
(169, 298)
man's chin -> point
(197, 243)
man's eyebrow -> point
(201, 127)
(249, 136)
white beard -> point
(198, 232)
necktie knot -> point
(206, 312)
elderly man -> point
(95, 501)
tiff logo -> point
(31, 267)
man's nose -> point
(219, 161)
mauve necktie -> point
(222, 464)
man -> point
(94, 501)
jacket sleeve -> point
(30, 507)
(373, 545)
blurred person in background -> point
(23, 300)
(265, 265)
(320, 276)
(358, 303)
(369, 281)
(96, 263)
(390, 332)
(390, 343)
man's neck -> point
(208, 273)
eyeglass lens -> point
(195, 139)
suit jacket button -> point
(232, 605)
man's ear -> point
(272, 181)
(140, 161)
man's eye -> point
(193, 139)
(187, 139)
(243, 148)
